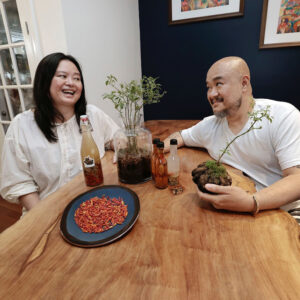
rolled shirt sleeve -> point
(200, 133)
(18, 180)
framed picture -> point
(280, 24)
(187, 11)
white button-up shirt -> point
(31, 164)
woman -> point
(41, 151)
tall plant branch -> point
(126, 97)
(255, 116)
(129, 98)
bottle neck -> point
(85, 131)
(160, 151)
(84, 128)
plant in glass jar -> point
(212, 171)
(133, 144)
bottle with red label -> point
(90, 157)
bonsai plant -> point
(212, 171)
(133, 144)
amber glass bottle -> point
(153, 157)
(90, 157)
(161, 168)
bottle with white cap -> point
(173, 164)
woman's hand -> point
(228, 197)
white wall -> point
(103, 35)
(50, 25)
(44, 20)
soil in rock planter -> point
(203, 174)
(134, 168)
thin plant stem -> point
(255, 117)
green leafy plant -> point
(212, 171)
(254, 116)
(215, 168)
(129, 98)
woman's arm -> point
(29, 200)
(109, 145)
(15, 173)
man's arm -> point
(176, 135)
(282, 192)
(29, 200)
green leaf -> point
(129, 98)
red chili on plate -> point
(100, 214)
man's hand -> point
(228, 197)
(176, 135)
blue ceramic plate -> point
(74, 235)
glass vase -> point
(133, 147)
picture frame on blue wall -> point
(280, 24)
(188, 11)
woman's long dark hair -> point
(45, 113)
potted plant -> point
(212, 171)
(133, 144)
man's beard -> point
(224, 113)
(221, 114)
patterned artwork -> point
(289, 17)
(187, 5)
(188, 11)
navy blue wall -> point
(180, 56)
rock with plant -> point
(212, 171)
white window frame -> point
(32, 47)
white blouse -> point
(32, 164)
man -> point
(270, 155)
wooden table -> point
(180, 248)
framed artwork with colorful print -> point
(187, 11)
(280, 24)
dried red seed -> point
(100, 214)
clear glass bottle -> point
(133, 147)
(154, 154)
(161, 168)
(173, 164)
(90, 157)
